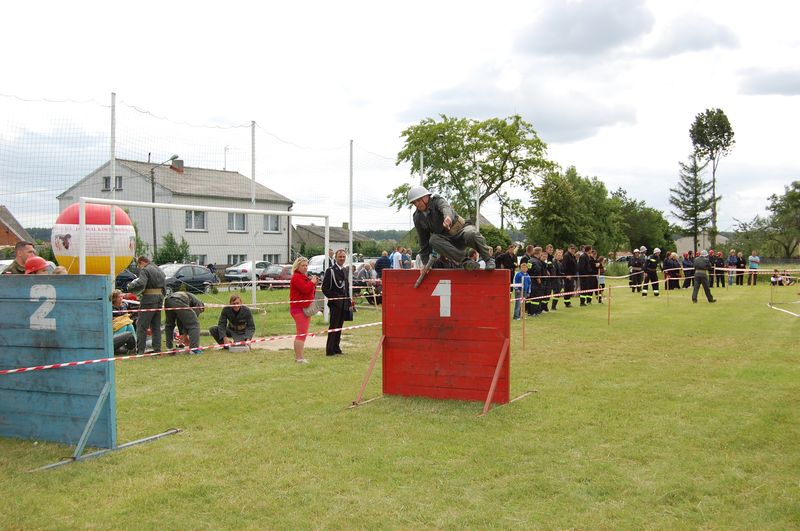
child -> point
(522, 288)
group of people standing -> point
(546, 275)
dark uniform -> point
(537, 273)
(182, 308)
(335, 285)
(150, 286)
(637, 273)
(238, 326)
(688, 272)
(14, 269)
(549, 272)
(588, 282)
(506, 260)
(557, 281)
(701, 267)
(651, 273)
(570, 267)
(433, 235)
(719, 271)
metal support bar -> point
(99, 453)
(98, 407)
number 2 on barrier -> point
(39, 319)
(442, 290)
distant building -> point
(213, 237)
(685, 244)
(314, 235)
(11, 231)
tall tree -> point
(567, 208)
(712, 138)
(641, 224)
(691, 198)
(784, 221)
(171, 250)
(460, 154)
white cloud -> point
(693, 33)
(770, 82)
(588, 27)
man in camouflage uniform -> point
(150, 289)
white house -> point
(213, 237)
(686, 243)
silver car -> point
(242, 271)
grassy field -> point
(677, 415)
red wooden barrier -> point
(444, 339)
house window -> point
(234, 259)
(236, 222)
(199, 259)
(107, 182)
(272, 258)
(195, 220)
(271, 223)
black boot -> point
(555, 303)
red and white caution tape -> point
(177, 350)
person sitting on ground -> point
(440, 229)
(122, 325)
(235, 323)
(776, 279)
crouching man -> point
(235, 323)
(442, 230)
(182, 308)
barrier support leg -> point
(500, 362)
(98, 407)
(377, 353)
(609, 303)
(522, 313)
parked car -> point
(241, 271)
(276, 272)
(197, 279)
(125, 277)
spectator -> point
(741, 263)
(688, 270)
(60, 270)
(384, 262)
(522, 288)
(473, 255)
(336, 287)
(752, 264)
(235, 323)
(776, 279)
(301, 294)
(730, 264)
(397, 258)
(22, 251)
(35, 265)
(508, 260)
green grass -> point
(675, 415)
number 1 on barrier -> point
(442, 290)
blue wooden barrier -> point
(55, 319)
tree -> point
(567, 208)
(171, 250)
(460, 153)
(642, 225)
(784, 223)
(712, 138)
(691, 198)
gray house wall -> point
(215, 242)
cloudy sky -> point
(612, 86)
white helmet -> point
(656, 250)
(643, 249)
(417, 192)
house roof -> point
(8, 219)
(337, 234)
(200, 182)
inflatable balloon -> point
(66, 239)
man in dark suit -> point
(336, 286)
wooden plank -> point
(55, 319)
